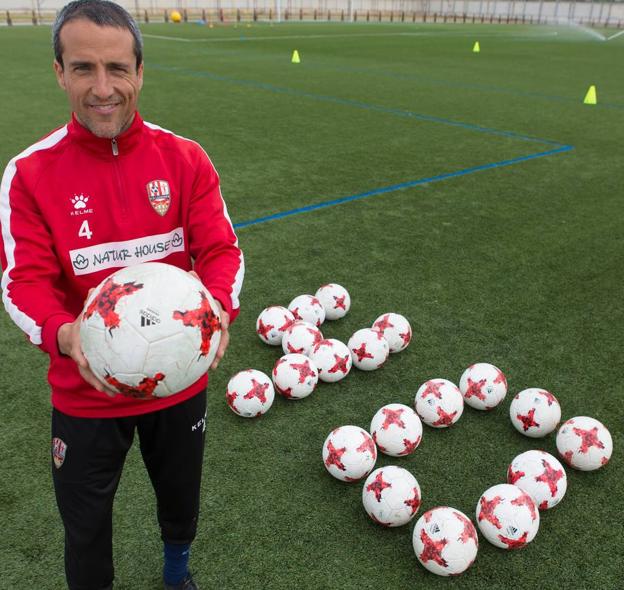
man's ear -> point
(140, 75)
(58, 70)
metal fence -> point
(607, 14)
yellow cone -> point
(590, 97)
(476, 48)
(295, 57)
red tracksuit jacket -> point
(75, 207)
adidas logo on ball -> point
(148, 317)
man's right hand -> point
(68, 338)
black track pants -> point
(172, 447)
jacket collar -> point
(125, 142)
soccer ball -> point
(150, 330)
(541, 476)
(439, 403)
(349, 453)
(307, 308)
(300, 338)
(272, 324)
(335, 299)
(295, 376)
(176, 17)
(391, 496)
(483, 386)
(396, 429)
(535, 412)
(584, 443)
(395, 329)
(250, 393)
(332, 359)
(507, 516)
(445, 541)
(369, 349)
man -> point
(87, 189)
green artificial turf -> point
(517, 265)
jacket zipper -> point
(120, 198)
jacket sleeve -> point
(213, 244)
(31, 271)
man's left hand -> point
(224, 316)
(225, 335)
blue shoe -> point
(186, 584)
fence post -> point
(8, 18)
(166, 15)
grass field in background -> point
(518, 264)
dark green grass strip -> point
(353, 103)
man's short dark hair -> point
(101, 12)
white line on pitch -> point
(614, 36)
(329, 36)
(169, 38)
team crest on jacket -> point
(159, 195)
(59, 448)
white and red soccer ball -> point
(584, 443)
(445, 541)
(307, 308)
(300, 338)
(150, 330)
(294, 376)
(369, 349)
(395, 329)
(250, 393)
(332, 359)
(349, 453)
(541, 476)
(439, 403)
(391, 496)
(483, 386)
(335, 299)
(272, 323)
(396, 429)
(507, 516)
(535, 412)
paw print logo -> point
(80, 201)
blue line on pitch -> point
(388, 110)
(352, 103)
(397, 187)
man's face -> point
(100, 76)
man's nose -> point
(102, 84)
